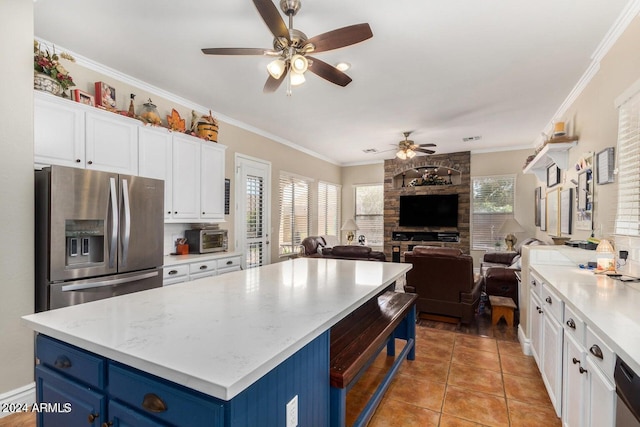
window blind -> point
(369, 213)
(492, 203)
(628, 212)
(294, 212)
(329, 196)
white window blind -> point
(628, 212)
(294, 212)
(329, 196)
(492, 202)
(369, 213)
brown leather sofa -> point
(444, 281)
(499, 270)
(315, 246)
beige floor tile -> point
(369, 381)
(434, 349)
(451, 421)
(473, 378)
(510, 348)
(355, 403)
(476, 407)
(526, 390)
(478, 343)
(418, 392)
(394, 413)
(527, 415)
(474, 357)
(522, 366)
(425, 368)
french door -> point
(253, 205)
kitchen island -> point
(246, 343)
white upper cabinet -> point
(186, 177)
(212, 182)
(58, 131)
(111, 142)
(155, 156)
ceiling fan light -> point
(411, 154)
(343, 66)
(297, 78)
(299, 63)
(276, 68)
(401, 155)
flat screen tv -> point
(429, 210)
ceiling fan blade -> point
(271, 85)
(424, 150)
(238, 51)
(427, 145)
(272, 18)
(341, 37)
(328, 72)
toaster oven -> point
(206, 241)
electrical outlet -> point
(292, 412)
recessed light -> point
(471, 138)
(343, 66)
(370, 150)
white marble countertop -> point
(220, 334)
(185, 259)
(610, 307)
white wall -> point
(16, 193)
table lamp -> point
(605, 256)
(350, 227)
(509, 227)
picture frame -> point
(553, 175)
(83, 97)
(553, 212)
(543, 214)
(536, 204)
(583, 191)
(604, 166)
(105, 96)
(566, 211)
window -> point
(329, 209)
(491, 203)
(628, 213)
(369, 213)
(294, 212)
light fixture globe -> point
(411, 154)
(276, 68)
(299, 64)
(402, 155)
(296, 78)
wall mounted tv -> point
(429, 210)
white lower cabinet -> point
(575, 384)
(602, 397)
(552, 360)
(205, 266)
(536, 322)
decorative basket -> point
(46, 83)
(207, 131)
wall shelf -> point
(556, 152)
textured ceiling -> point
(446, 70)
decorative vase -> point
(46, 83)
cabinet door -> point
(212, 182)
(122, 416)
(602, 396)
(58, 132)
(84, 406)
(535, 320)
(552, 336)
(186, 177)
(574, 383)
(154, 160)
(111, 143)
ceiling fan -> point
(291, 47)
(407, 149)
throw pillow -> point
(516, 264)
(320, 248)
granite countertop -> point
(220, 334)
(610, 307)
(185, 259)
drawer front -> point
(164, 400)
(600, 353)
(71, 361)
(535, 283)
(552, 303)
(175, 271)
(229, 262)
(228, 270)
(574, 325)
(202, 266)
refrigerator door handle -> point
(108, 282)
(113, 244)
(127, 221)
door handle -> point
(113, 245)
(89, 284)
(127, 221)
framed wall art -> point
(553, 212)
(105, 96)
(536, 201)
(543, 214)
(584, 201)
(604, 166)
(553, 175)
(566, 211)
(83, 97)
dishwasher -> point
(628, 391)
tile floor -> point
(458, 380)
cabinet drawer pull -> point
(78, 160)
(203, 267)
(596, 351)
(62, 362)
(533, 283)
(107, 424)
(229, 262)
(153, 403)
(571, 324)
(548, 299)
(93, 417)
(582, 370)
(90, 162)
(575, 361)
(172, 272)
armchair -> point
(444, 281)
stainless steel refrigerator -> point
(97, 235)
